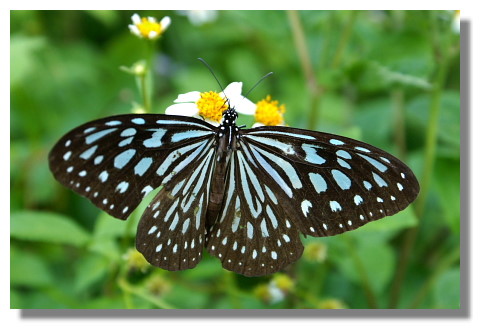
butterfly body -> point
(245, 195)
(227, 135)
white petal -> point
(188, 97)
(165, 22)
(212, 122)
(233, 91)
(152, 34)
(152, 19)
(134, 29)
(244, 106)
(257, 124)
(182, 109)
(136, 18)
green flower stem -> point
(442, 53)
(444, 264)
(129, 290)
(397, 97)
(145, 91)
(126, 241)
(344, 39)
(369, 293)
(146, 79)
(232, 289)
(316, 90)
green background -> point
(390, 78)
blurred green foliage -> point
(377, 76)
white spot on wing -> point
(336, 142)
(156, 139)
(143, 165)
(318, 182)
(95, 136)
(89, 152)
(103, 176)
(264, 229)
(343, 163)
(112, 123)
(358, 200)
(311, 154)
(138, 121)
(380, 182)
(305, 207)
(381, 167)
(342, 180)
(363, 149)
(128, 132)
(122, 159)
(125, 142)
(98, 159)
(185, 226)
(344, 154)
(335, 206)
(122, 186)
(250, 230)
(146, 190)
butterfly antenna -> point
(257, 83)
(213, 74)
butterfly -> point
(245, 195)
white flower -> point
(199, 17)
(455, 25)
(210, 105)
(148, 27)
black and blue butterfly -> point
(245, 195)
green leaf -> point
(46, 227)
(447, 183)
(23, 57)
(449, 121)
(447, 289)
(107, 226)
(391, 224)
(28, 269)
(89, 270)
(377, 260)
(107, 247)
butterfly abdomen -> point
(224, 151)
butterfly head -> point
(229, 117)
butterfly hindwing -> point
(330, 184)
(171, 232)
(251, 236)
(116, 161)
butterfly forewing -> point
(252, 236)
(171, 232)
(329, 184)
(117, 161)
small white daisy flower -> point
(210, 105)
(456, 21)
(149, 28)
(199, 17)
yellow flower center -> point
(211, 106)
(146, 26)
(269, 112)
